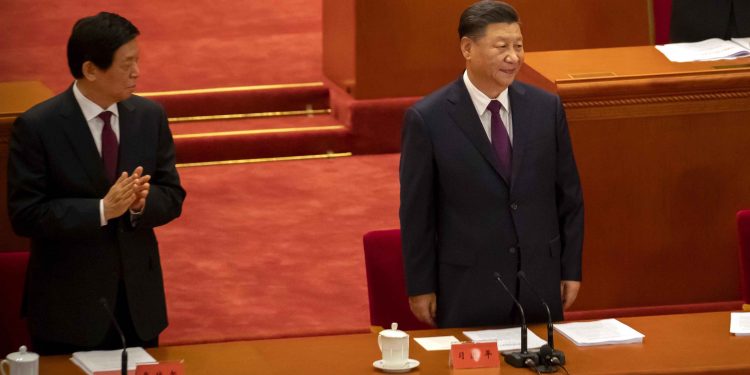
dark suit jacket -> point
(696, 20)
(55, 181)
(461, 221)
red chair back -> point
(13, 329)
(662, 20)
(743, 230)
(386, 287)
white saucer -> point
(410, 364)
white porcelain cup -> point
(20, 363)
(394, 345)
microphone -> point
(124, 366)
(524, 358)
(548, 356)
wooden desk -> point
(662, 150)
(674, 344)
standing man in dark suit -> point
(91, 172)
(696, 20)
(489, 184)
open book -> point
(707, 50)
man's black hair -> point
(475, 18)
(96, 38)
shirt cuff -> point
(135, 216)
(102, 219)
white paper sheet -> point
(707, 50)
(508, 339)
(739, 324)
(599, 332)
(110, 360)
(436, 342)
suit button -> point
(512, 250)
(514, 206)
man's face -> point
(493, 60)
(118, 82)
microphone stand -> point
(124, 365)
(523, 358)
(548, 356)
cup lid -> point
(22, 355)
(393, 332)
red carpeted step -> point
(208, 141)
(247, 100)
(188, 129)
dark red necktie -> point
(109, 147)
(500, 139)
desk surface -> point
(674, 344)
(599, 74)
(622, 61)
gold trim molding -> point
(231, 89)
(235, 116)
(266, 160)
(259, 131)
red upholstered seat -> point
(13, 329)
(385, 281)
(743, 231)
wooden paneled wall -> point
(395, 48)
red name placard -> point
(164, 368)
(475, 355)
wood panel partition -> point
(662, 149)
(15, 98)
(396, 48)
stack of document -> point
(707, 50)
(110, 360)
(599, 332)
(508, 339)
(739, 324)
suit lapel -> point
(79, 135)
(521, 112)
(463, 113)
(128, 157)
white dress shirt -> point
(481, 101)
(91, 113)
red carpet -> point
(275, 249)
(188, 45)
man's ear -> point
(466, 47)
(89, 71)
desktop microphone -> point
(547, 356)
(124, 366)
(523, 358)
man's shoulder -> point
(47, 107)
(533, 92)
(436, 99)
(142, 103)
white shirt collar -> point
(480, 100)
(90, 109)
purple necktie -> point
(109, 147)
(500, 139)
